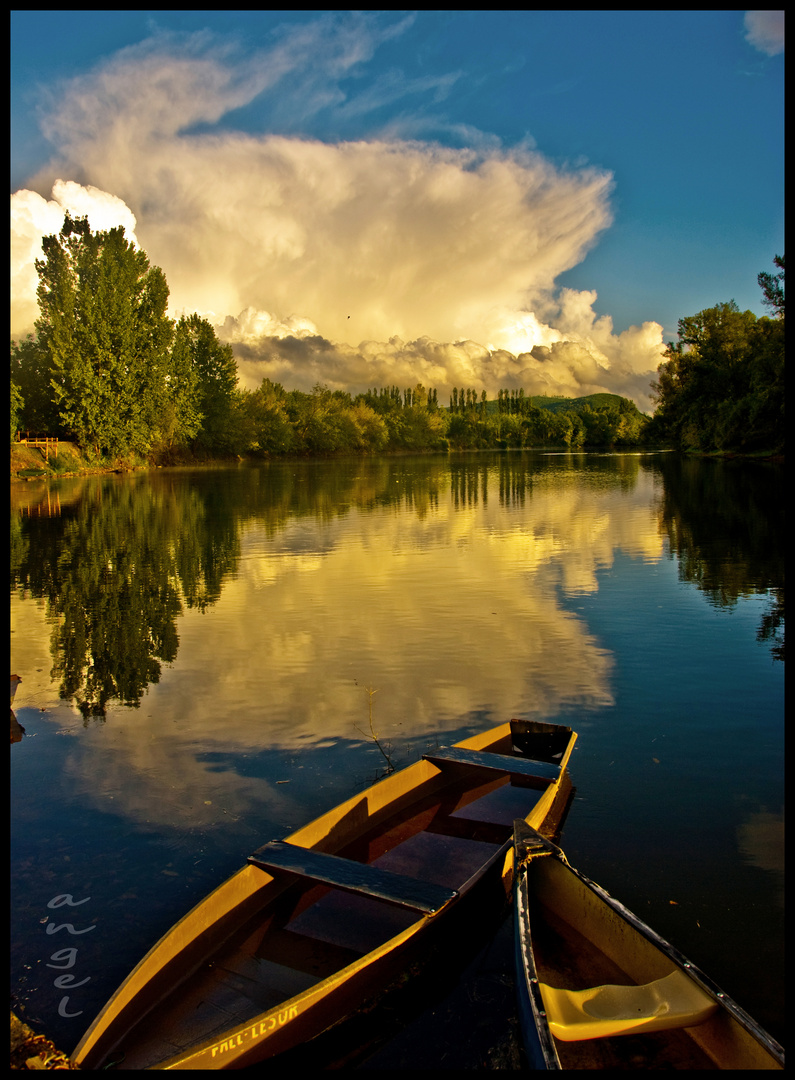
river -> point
(207, 655)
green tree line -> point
(110, 371)
(107, 368)
(721, 385)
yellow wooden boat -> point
(314, 926)
(599, 989)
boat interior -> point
(597, 972)
(338, 908)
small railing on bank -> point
(46, 443)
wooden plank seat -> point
(517, 766)
(350, 876)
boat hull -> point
(599, 989)
(275, 956)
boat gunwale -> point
(542, 1053)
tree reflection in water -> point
(116, 568)
(118, 559)
(724, 520)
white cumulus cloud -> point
(765, 31)
(33, 217)
(354, 263)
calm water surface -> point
(202, 653)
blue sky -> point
(499, 198)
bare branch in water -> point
(373, 733)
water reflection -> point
(116, 568)
(761, 843)
(275, 595)
(724, 521)
(17, 731)
(119, 560)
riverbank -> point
(29, 463)
(32, 1051)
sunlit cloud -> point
(765, 31)
(385, 260)
(33, 217)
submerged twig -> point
(373, 733)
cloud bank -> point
(354, 263)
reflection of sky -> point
(453, 614)
(30, 652)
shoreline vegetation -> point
(28, 464)
(330, 424)
(122, 386)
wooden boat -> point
(598, 989)
(315, 925)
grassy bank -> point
(29, 463)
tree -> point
(721, 385)
(772, 286)
(176, 416)
(367, 430)
(212, 367)
(764, 402)
(265, 422)
(103, 336)
(16, 409)
(31, 371)
(705, 373)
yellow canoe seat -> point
(601, 1011)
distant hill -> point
(566, 404)
(557, 404)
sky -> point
(463, 199)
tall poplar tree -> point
(214, 372)
(104, 337)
